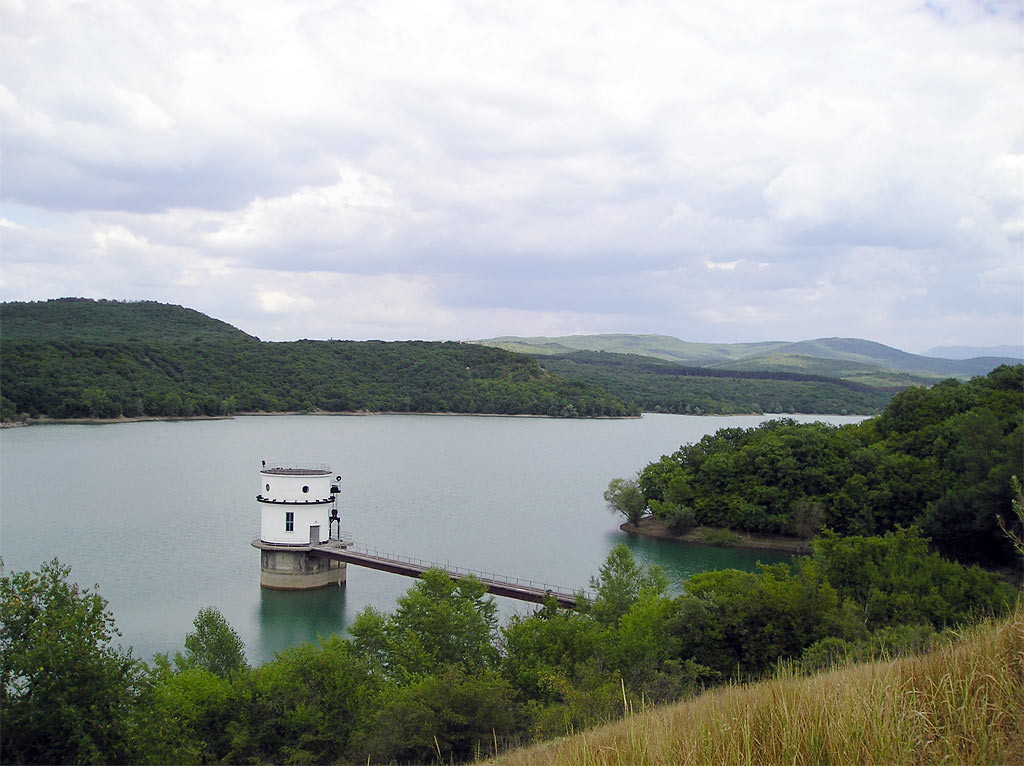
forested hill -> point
(938, 458)
(76, 358)
(68, 319)
(657, 385)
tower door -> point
(314, 534)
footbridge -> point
(499, 585)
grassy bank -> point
(963, 703)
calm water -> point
(160, 515)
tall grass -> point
(960, 704)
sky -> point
(725, 171)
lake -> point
(161, 514)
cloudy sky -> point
(735, 170)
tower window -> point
(305, 488)
(268, 488)
(289, 521)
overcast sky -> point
(735, 170)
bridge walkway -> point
(499, 585)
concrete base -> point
(284, 569)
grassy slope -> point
(960, 704)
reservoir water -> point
(161, 514)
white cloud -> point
(733, 169)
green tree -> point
(1017, 504)
(213, 646)
(620, 582)
(8, 410)
(66, 690)
(453, 717)
(185, 716)
(625, 496)
(806, 518)
(303, 707)
(438, 623)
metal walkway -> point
(499, 585)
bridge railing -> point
(480, 574)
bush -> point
(681, 519)
(718, 537)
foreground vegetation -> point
(939, 458)
(438, 680)
(962, 702)
(146, 359)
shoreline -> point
(654, 528)
(44, 420)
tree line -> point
(438, 680)
(661, 386)
(75, 378)
(940, 458)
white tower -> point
(298, 507)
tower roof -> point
(296, 471)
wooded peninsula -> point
(940, 459)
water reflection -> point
(288, 618)
(681, 560)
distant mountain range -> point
(846, 358)
(970, 352)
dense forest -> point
(940, 458)
(64, 319)
(438, 680)
(79, 358)
(656, 385)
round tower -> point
(298, 511)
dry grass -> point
(961, 704)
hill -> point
(659, 346)
(105, 359)
(961, 703)
(83, 319)
(842, 369)
(657, 385)
(971, 352)
(939, 459)
(815, 356)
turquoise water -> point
(160, 514)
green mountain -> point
(74, 358)
(70, 319)
(888, 358)
(658, 346)
(972, 352)
(871, 362)
(855, 372)
(658, 385)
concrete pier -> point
(294, 567)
